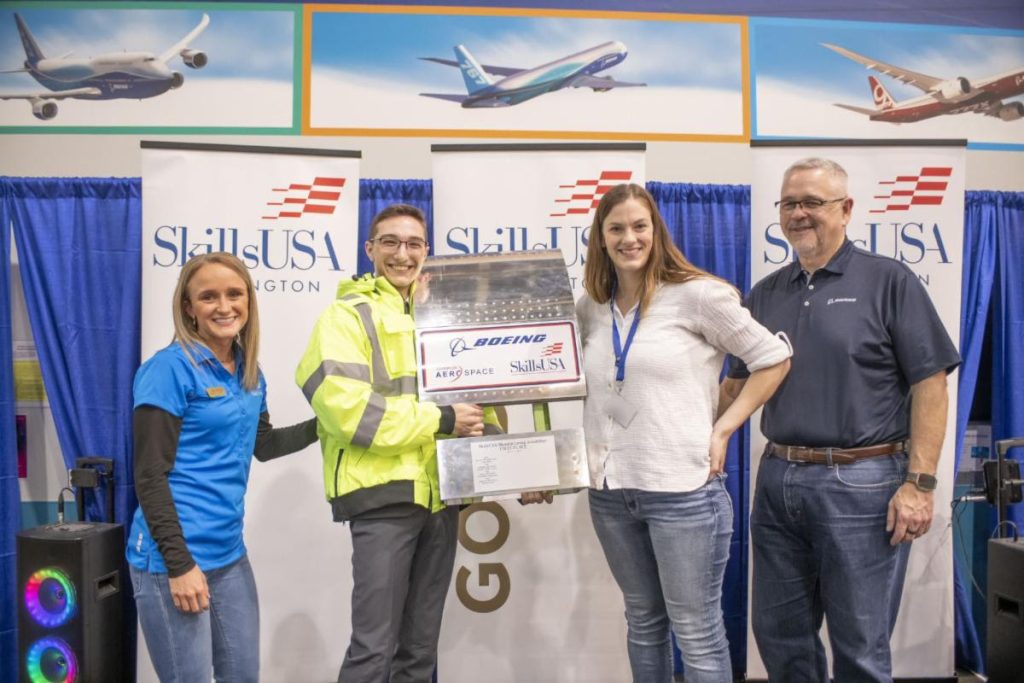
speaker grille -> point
(51, 660)
(50, 597)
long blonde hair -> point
(665, 264)
(185, 332)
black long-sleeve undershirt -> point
(156, 444)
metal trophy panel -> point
(497, 329)
(460, 461)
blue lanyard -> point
(620, 351)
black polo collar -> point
(837, 264)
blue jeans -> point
(222, 642)
(820, 549)
(667, 552)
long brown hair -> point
(186, 334)
(665, 264)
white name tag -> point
(622, 411)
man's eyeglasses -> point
(392, 243)
(809, 205)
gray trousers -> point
(401, 568)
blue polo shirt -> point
(219, 418)
(863, 330)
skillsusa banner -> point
(909, 206)
(291, 216)
(533, 598)
(495, 198)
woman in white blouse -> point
(655, 330)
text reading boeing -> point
(511, 339)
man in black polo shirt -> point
(855, 431)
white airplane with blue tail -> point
(501, 86)
(117, 75)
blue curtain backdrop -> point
(981, 217)
(374, 195)
(10, 509)
(79, 246)
(79, 250)
(711, 225)
(1008, 327)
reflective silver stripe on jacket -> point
(383, 385)
(358, 371)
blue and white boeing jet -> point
(118, 75)
(502, 86)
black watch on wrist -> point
(924, 482)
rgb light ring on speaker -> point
(50, 597)
(51, 660)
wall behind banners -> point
(690, 162)
(299, 556)
(928, 238)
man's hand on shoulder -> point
(910, 513)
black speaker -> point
(69, 603)
(1005, 657)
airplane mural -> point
(942, 96)
(491, 86)
(116, 75)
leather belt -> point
(835, 456)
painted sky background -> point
(241, 44)
(389, 46)
(990, 13)
(246, 84)
(796, 80)
(366, 73)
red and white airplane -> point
(953, 96)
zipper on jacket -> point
(337, 466)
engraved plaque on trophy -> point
(497, 329)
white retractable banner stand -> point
(291, 216)
(908, 205)
(533, 598)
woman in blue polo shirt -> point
(200, 415)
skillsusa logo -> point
(551, 350)
(926, 188)
(320, 197)
(586, 193)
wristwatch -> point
(924, 482)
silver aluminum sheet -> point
(455, 466)
(511, 297)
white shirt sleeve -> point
(728, 326)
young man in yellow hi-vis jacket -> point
(380, 461)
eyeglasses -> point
(392, 243)
(809, 205)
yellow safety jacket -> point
(359, 374)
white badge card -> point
(622, 411)
(514, 464)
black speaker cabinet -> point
(69, 603)
(1005, 660)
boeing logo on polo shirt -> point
(841, 300)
